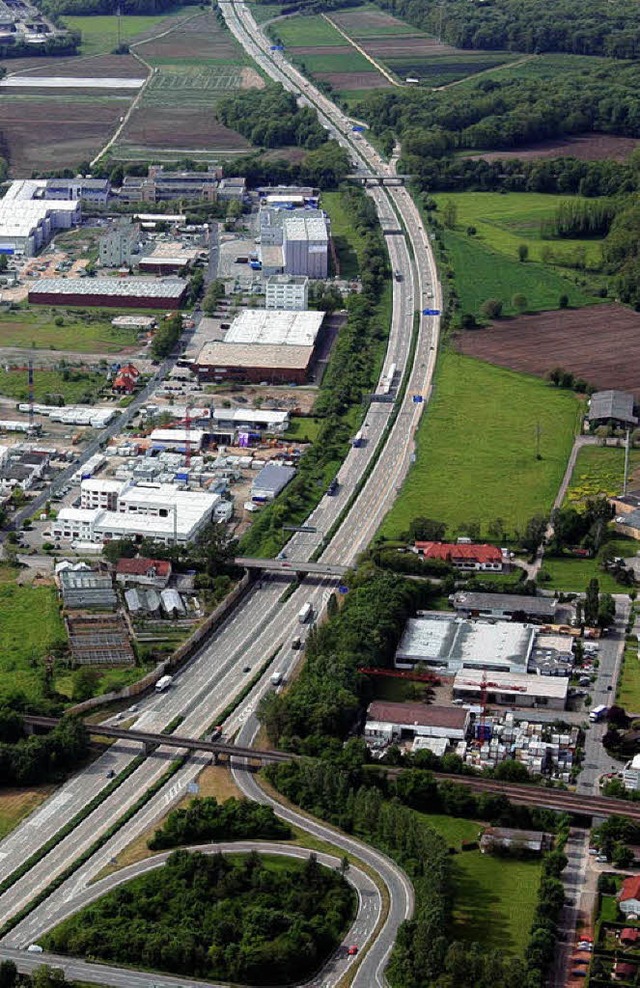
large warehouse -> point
(128, 293)
(512, 689)
(28, 218)
(450, 643)
(388, 721)
(263, 345)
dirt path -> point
(476, 75)
(377, 66)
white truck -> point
(277, 678)
(163, 683)
(305, 613)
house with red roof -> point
(629, 935)
(142, 571)
(629, 896)
(463, 555)
(624, 971)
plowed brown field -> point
(599, 344)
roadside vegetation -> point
(243, 918)
(205, 821)
(477, 449)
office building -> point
(287, 292)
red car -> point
(352, 950)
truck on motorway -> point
(276, 678)
(163, 683)
(398, 275)
(598, 713)
(358, 439)
(305, 613)
(333, 487)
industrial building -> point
(511, 688)
(169, 258)
(262, 345)
(448, 644)
(94, 190)
(177, 439)
(306, 246)
(502, 605)
(284, 291)
(29, 219)
(272, 479)
(138, 293)
(86, 590)
(390, 722)
(120, 245)
(612, 408)
(154, 511)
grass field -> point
(481, 274)
(16, 804)
(573, 575)
(599, 472)
(79, 387)
(303, 428)
(312, 31)
(100, 33)
(346, 240)
(36, 327)
(24, 640)
(476, 448)
(628, 691)
(503, 222)
(493, 898)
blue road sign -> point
(343, 589)
(431, 312)
(357, 130)
(417, 399)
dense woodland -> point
(582, 27)
(205, 820)
(217, 918)
(271, 118)
(55, 8)
(363, 802)
(29, 760)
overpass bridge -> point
(152, 741)
(297, 566)
(383, 179)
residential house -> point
(142, 571)
(629, 896)
(464, 556)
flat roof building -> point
(450, 643)
(267, 328)
(151, 293)
(28, 218)
(503, 605)
(306, 246)
(220, 362)
(512, 689)
(397, 721)
(272, 479)
(287, 291)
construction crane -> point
(486, 684)
(30, 380)
(420, 677)
(187, 437)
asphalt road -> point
(263, 625)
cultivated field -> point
(598, 344)
(38, 129)
(585, 147)
(193, 65)
(408, 52)
(599, 472)
(476, 449)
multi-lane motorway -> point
(264, 623)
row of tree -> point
(213, 917)
(206, 820)
(349, 377)
(167, 336)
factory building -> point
(448, 643)
(154, 511)
(511, 689)
(120, 246)
(387, 721)
(28, 219)
(94, 190)
(272, 479)
(262, 345)
(177, 439)
(130, 293)
(306, 246)
(503, 605)
(286, 291)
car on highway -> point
(111, 774)
(352, 950)
(246, 668)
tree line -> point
(349, 376)
(528, 25)
(271, 118)
(56, 8)
(30, 760)
(206, 820)
(214, 917)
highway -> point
(263, 625)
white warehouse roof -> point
(306, 228)
(144, 287)
(512, 683)
(446, 640)
(275, 327)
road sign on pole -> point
(299, 528)
(417, 399)
(343, 589)
(431, 312)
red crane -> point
(187, 431)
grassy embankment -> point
(476, 449)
